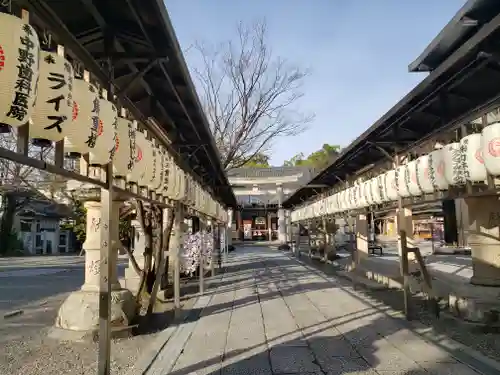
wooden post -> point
(427, 281)
(214, 250)
(403, 264)
(403, 258)
(105, 269)
(297, 242)
(105, 264)
(325, 239)
(202, 261)
(178, 220)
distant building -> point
(37, 224)
(260, 192)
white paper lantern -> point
(19, 69)
(356, 196)
(423, 174)
(472, 153)
(82, 132)
(363, 195)
(436, 170)
(140, 173)
(341, 200)
(412, 180)
(105, 143)
(170, 178)
(331, 205)
(181, 187)
(335, 203)
(327, 206)
(353, 197)
(349, 195)
(360, 196)
(53, 111)
(146, 175)
(375, 189)
(369, 192)
(491, 148)
(123, 153)
(402, 181)
(383, 190)
(453, 164)
(345, 199)
(160, 188)
(391, 187)
(155, 167)
(186, 193)
(189, 196)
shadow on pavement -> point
(367, 341)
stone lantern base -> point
(78, 317)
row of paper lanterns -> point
(471, 159)
(39, 88)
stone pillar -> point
(269, 225)
(484, 239)
(132, 279)
(175, 249)
(450, 222)
(281, 226)
(289, 228)
(362, 232)
(78, 316)
(281, 217)
(462, 215)
(405, 222)
(229, 233)
(239, 224)
(330, 251)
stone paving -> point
(270, 314)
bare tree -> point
(249, 94)
(19, 184)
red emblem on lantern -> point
(100, 128)
(494, 147)
(479, 156)
(440, 168)
(139, 154)
(117, 143)
(75, 110)
(2, 58)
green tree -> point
(318, 159)
(295, 161)
(258, 161)
(78, 224)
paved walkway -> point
(270, 314)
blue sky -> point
(358, 52)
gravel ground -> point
(31, 352)
(472, 336)
(25, 348)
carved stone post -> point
(78, 316)
(132, 279)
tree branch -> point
(251, 97)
